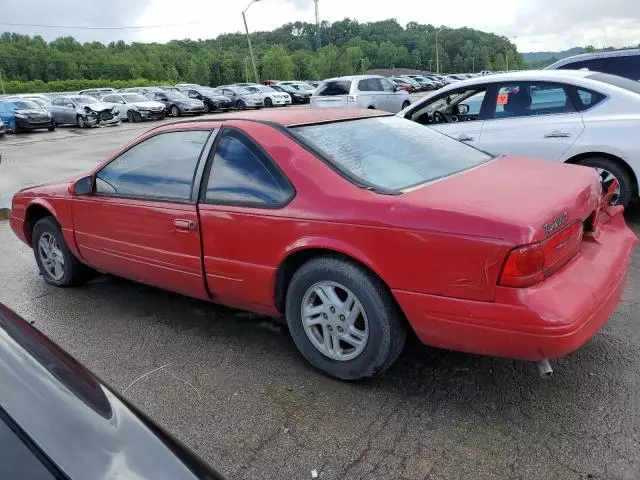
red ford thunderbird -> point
(355, 226)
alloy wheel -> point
(51, 256)
(335, 321)
(606, 177)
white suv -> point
(360, 91)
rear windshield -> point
(391, 153)
(24, 104)
(334, 87)
(616, 81)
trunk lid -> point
(521, 201)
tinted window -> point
(17, 460)
(625, 66)
(334, 87)
(620, 82)
(161, 167)
(588, 98)
(242, 174)
(369, 85)
(527, 99)
(391, 152)
(386, 85)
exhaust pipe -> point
(544, 369)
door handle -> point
(557, 134)
(184, 225)
(465, 138)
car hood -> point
(98, 107)
(509, 198)
(32, 111)
(149, 104)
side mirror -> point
(463, 109)
(84, 186)
(395, 88)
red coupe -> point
(355, 226)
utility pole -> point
(246, 28)
(473, 68)
(318, 32)
(246, 68)
(438, 52)
(506, 55)
(2, 83)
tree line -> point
(293, 51)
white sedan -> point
(579, 117)
(135, 107)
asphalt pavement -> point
(232, 386)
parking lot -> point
(232, 386)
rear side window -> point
(161, 167)
(334, 87)
(241, 174)
(627, 66)
(525, 99)
(17, 460)
(587, 98)
(370, 85)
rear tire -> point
(52, 128)
(57, 265)
(607, 166)
(379, 325)
(405, 104)
(130, 116)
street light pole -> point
(246, 28)
(438, 52)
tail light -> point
(352, 98)
(531, 264)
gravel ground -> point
(235, 389)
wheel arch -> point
(298, 257)
(619, 161)
(35, 211)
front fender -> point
(61, 211)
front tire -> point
(174, 111)
(608, 169)
(55, 261)
(268, 102)
(51, 128)
(80, 122)
(343, 319)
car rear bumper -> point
(548, 320)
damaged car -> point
(83, 111)
(136, 107)
(25, 115)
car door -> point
(68, 111)
(244, 188)
(532, 119)
(141, 222)
(55, 108)
(442, 113)
(392, 99)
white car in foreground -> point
(570, 116)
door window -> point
(525, 99)
(370, 85)
(458, 106)
(387, 85)
(161, 167)
(242, 174)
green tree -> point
(276, 63)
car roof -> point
(626, 52)
(283, 117)
(352, 77)
(528, 75)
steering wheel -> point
(439, 117)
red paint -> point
(440, 248)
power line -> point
(78, 27)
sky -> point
(533, 25)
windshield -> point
(620, 82)
(267, 89)
(306, 86)
(253, 89)
(134, 97)
(391, 152)
(83, 99)
(25, 104)
(239, 90)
